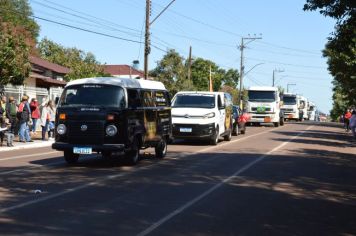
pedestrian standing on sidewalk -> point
(52, 117)
(347, 117)
(45, 117)
(353, 124)
(2, 120)
(11, 111)
(35, 113)
(24, 114)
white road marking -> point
(215, 187)
(80, 187)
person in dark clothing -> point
(2, 122)
(24, 114)
(11, 111)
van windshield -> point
(289, 100)
(93, 95)
(261, 96)
(194, 101)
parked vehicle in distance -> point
(263, 105)
(202, 115)
(112, 116)
(290, 106)
(235, 119)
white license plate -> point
(82, 150)
(185, 130)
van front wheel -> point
(70, 157)
(161, 149)
(215, 138)
(132, 156)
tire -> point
(276, 124)
(243, 131)
(281, 122)
(161, 149)
(228, 136)
(132, 156)
(215, 138)
(234, 130)
(70, 157)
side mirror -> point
(56, 100)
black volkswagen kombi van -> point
(112, 116)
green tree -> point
(172, 72)
(340, 50)
(81, 64)
(18, 34)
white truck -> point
(263, 105)
(290, 106)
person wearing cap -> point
(24, 114)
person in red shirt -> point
(35, 113)
(347, 117)
(243, 118)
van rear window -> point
(93, 95)
(194, 101)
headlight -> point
(111, 130)
(61, 129)
(209, 115)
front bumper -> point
(198, 131)
(263, 118)
(95, 147)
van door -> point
(222, 113)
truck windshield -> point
(289, 100)
(261, 96)
(93, 95)
(194, 100)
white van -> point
(202, 115)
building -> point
(123, 71)
(45, 81)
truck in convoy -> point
(303, 108)
(312, 114)
(263, 105)
(290, 106)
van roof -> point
(263, 88)
(124, 82)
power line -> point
(286, 64)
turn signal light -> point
(110, 117)
(62, 116)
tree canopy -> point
(340, 50)
(18, 34)
(82, 64)
(172, 71)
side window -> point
(220, 104)
(160, 99)
(147, 99)
(133, 98)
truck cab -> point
(290, 106)
(263, 105)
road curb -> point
(27, 146)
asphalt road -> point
(299, 179)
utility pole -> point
(147, 33)
(147, 38)
(190, 63)
(242, 67)
(273, 76)
(210, 80)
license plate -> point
(185, 130)
(267, 119)
(82, 150)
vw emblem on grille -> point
(186, 116)
(83, 127)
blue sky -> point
(291, 42)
